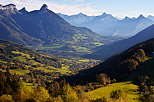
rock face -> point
(11, 8)
(23, 10)
(44, 8)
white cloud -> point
(55, 7)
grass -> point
(21, 58)
(2, 61)
(98, 44)
(127, 87)
(34, 62)
(23, 54)
(25, 58)
(87, 60)
(65, 67)
(19, 71)
(63, 70)
(28, 85)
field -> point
(128, 87)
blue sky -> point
(119, 8)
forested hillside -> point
(135, 60)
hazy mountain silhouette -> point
(108, 25)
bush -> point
(6, 98)
(103, 99)
(117, 94)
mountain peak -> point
(150, 16)
(126, 18)
(10, 8)
(23, 10)
(81, 14)
(44, 7)
(104, 14)
(101, 16)
(141, 17)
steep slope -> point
(133, 63)
(46, 31)
(10, 30)
(138, 61)
(109, 50)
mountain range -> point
(46, 31)
(108, 25)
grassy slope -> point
(128, 87)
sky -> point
(118, 8)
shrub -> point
(6, 98)
(117, 94)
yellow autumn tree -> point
(69, 95)
(41, 95)
(6, 98)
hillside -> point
(129, 65)
(46, 31)
(105, 52)
(32, 66)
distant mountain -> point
(109, 50)
(108, 25)
(46, 31)
(101, 23)
(77, 19)
(151, 17)
(130, 26)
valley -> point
(46, 56)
